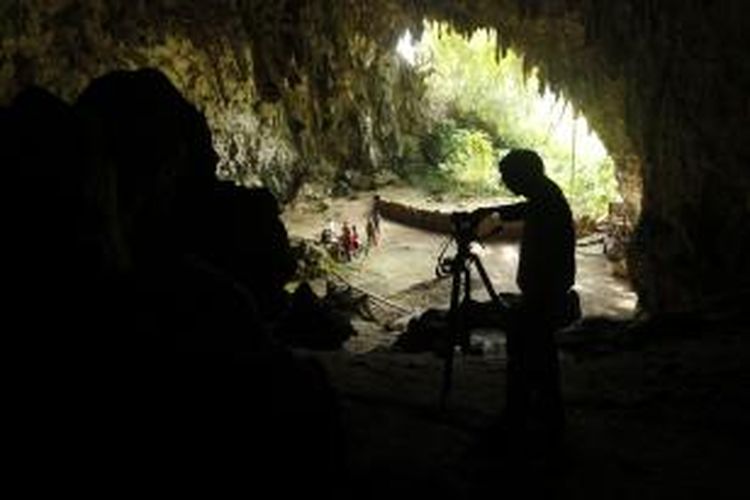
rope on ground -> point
(374, 296)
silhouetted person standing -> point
(545, 276)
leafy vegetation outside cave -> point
(478, 104)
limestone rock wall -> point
(289, 91)
(686, 114)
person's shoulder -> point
(555, 192)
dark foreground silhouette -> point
(141, 292)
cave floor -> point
(665, 420)
(660, 418)
(402, 267)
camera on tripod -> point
(459, 267)
(465, 226)
(465, 230)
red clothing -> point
(354, 239)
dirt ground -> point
(656, 415)
(402, 267)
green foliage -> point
(313, 261)
(481, 107)
(465, 158)
(589, 187)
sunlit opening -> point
(479, 104)
(407, 48)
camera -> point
(465, 225)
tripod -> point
(459, 267)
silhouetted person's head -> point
(522, 171)
(158, 148)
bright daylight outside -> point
(480, 103)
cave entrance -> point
(478, 103)
(462, 105)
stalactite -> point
(526, 68)
(501, 48)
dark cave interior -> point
(143, 273)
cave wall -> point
(296, 89)
(290, 90)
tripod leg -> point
(454, 324)
(467, 284)
(496, 299)
(463, 339)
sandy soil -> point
(402, 267)
(660, 417)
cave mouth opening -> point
(479, 102)
(465, 104)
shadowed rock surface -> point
(141, 329)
